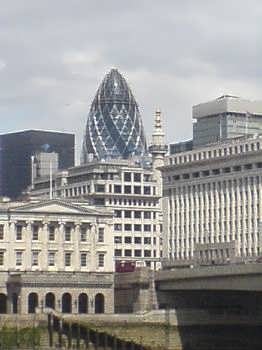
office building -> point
(17, 151)
(225, 118)
(55, 254)
(114, 125)
(126, 187)
(212, 201)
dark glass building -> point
(114, 126)
(16, 150)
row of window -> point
(136, 227)
(217, 171)
(221, 152)
(135, 214)
(137, 240)
(129, 202)
(136, 253)
(52, 233)
(19, 256)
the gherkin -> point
(114, 126)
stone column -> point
(76, 239)
(44, 252)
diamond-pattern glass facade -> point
(114, 125)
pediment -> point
(54, 206)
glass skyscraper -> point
(114, 126)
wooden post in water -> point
(60, 325)
(78, 336)
(69, 335)
(87, 338)
(114, 342)
(105, 341)
(50, 329)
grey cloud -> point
(174, 54)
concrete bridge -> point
(235, 286)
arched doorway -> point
(83, 303)
(14, 303)
(3, 300)
(99, 303)
(67, 303)
(50, 300)
(32, 302)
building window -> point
(51, 258)
(83, 259)
(1, 258)
(1, 232)
(137, 214)
(67, 233)
(147, 253)
(137, 227)
(101, 260)
(147, 228)
(118, 213)
(147, 240)
(118, 252)
(100, 188)
(138, 240)
(18, 258)
(128, 213)
(137, 189)
(101, 231)
(137, 177)
(127, 177)
(128, 240)
(147, 215)
(127, 189)
(117, 188)
(128, 227)
(147, 190)
(35, 232)
(19, 229)
(118, 239)
(128, 252)
(117, 227)
(51, 233)
(138, 252)
(83, 234)
(68, 259)
(35, 258)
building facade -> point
(225, 118)
(212, 199)
(56, 254)
(114, 125)
(128, 188)
(17, 149)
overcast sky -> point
(173, 53)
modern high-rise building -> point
(226, 117)
(17, 150)
(114, 125)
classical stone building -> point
(212, 201)
(57, 254)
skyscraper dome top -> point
(114, 126)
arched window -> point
(50, 300)
(3, 300)
(32, 302)
(99, 303)
(67, 303)
(83, 304)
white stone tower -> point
(158, 148)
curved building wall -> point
(114, 126)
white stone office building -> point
(55, 254)
(212, 201)
(130, 190)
